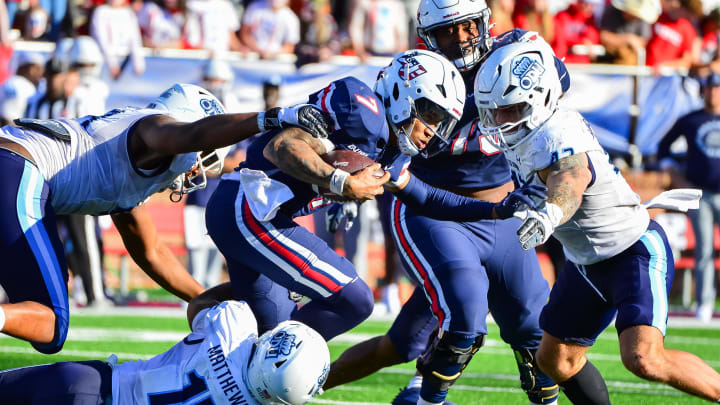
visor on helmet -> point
(435, 118)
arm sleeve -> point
(440, 204)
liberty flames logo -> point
(281, 344)
(528, 71)
(410, 68)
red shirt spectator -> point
(671, 40)
(534, 15)
(575, 26)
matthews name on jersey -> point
(208, 365)
(86, 162)
(359, 126)
(610, 217)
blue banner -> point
(604, 99)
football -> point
(351, 162)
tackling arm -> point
(566, 180)
(297, 153)
(140, 237)
(208, 299)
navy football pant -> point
(465, 270)
(34, 266)
(64, 383)
(631, 287)
(268, 258)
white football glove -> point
(335, 214)
(538, 225)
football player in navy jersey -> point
(416, 102)
(463, 268)
(106, 164)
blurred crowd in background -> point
(677, 33)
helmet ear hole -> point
(396, 92)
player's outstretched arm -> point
(444, 205)
(140, 237)
(208, 299)
(158, 137)
(297, 153)
(566, 180)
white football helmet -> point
(424, 85)
(516, 90)
(218, 77)
(289, 365)
(187, 103)
(434, 14)
(85, 55)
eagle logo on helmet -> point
(528, 71)
(410, 68)
(281, 344)
(211, 107)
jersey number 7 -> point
(368, 102)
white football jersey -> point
(92, 173)
(207, 367)
(610, 218)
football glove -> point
(538, 225)
(520, 199)
(337, 212)
(305, 116)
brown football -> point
(351, 162)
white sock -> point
(415, 382)
(2, 318)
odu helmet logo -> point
(528, 71)
(211, 107)
(281, 344)
(410, 68)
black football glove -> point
(311, 119)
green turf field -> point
(491, 378)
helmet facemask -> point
(207, 163)
(506, 126)
(467, 54)
(435, 118)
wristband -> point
(554, 213)
(337, 181)
(261, 121)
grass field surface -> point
(491, 378)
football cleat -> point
(410, 396)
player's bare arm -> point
(140, 237)
(158, 138)
(567, 180)
(209, 298)
(297, 153)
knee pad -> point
(539, 388)
(447, 357)
(61, 330)
(354, 300)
